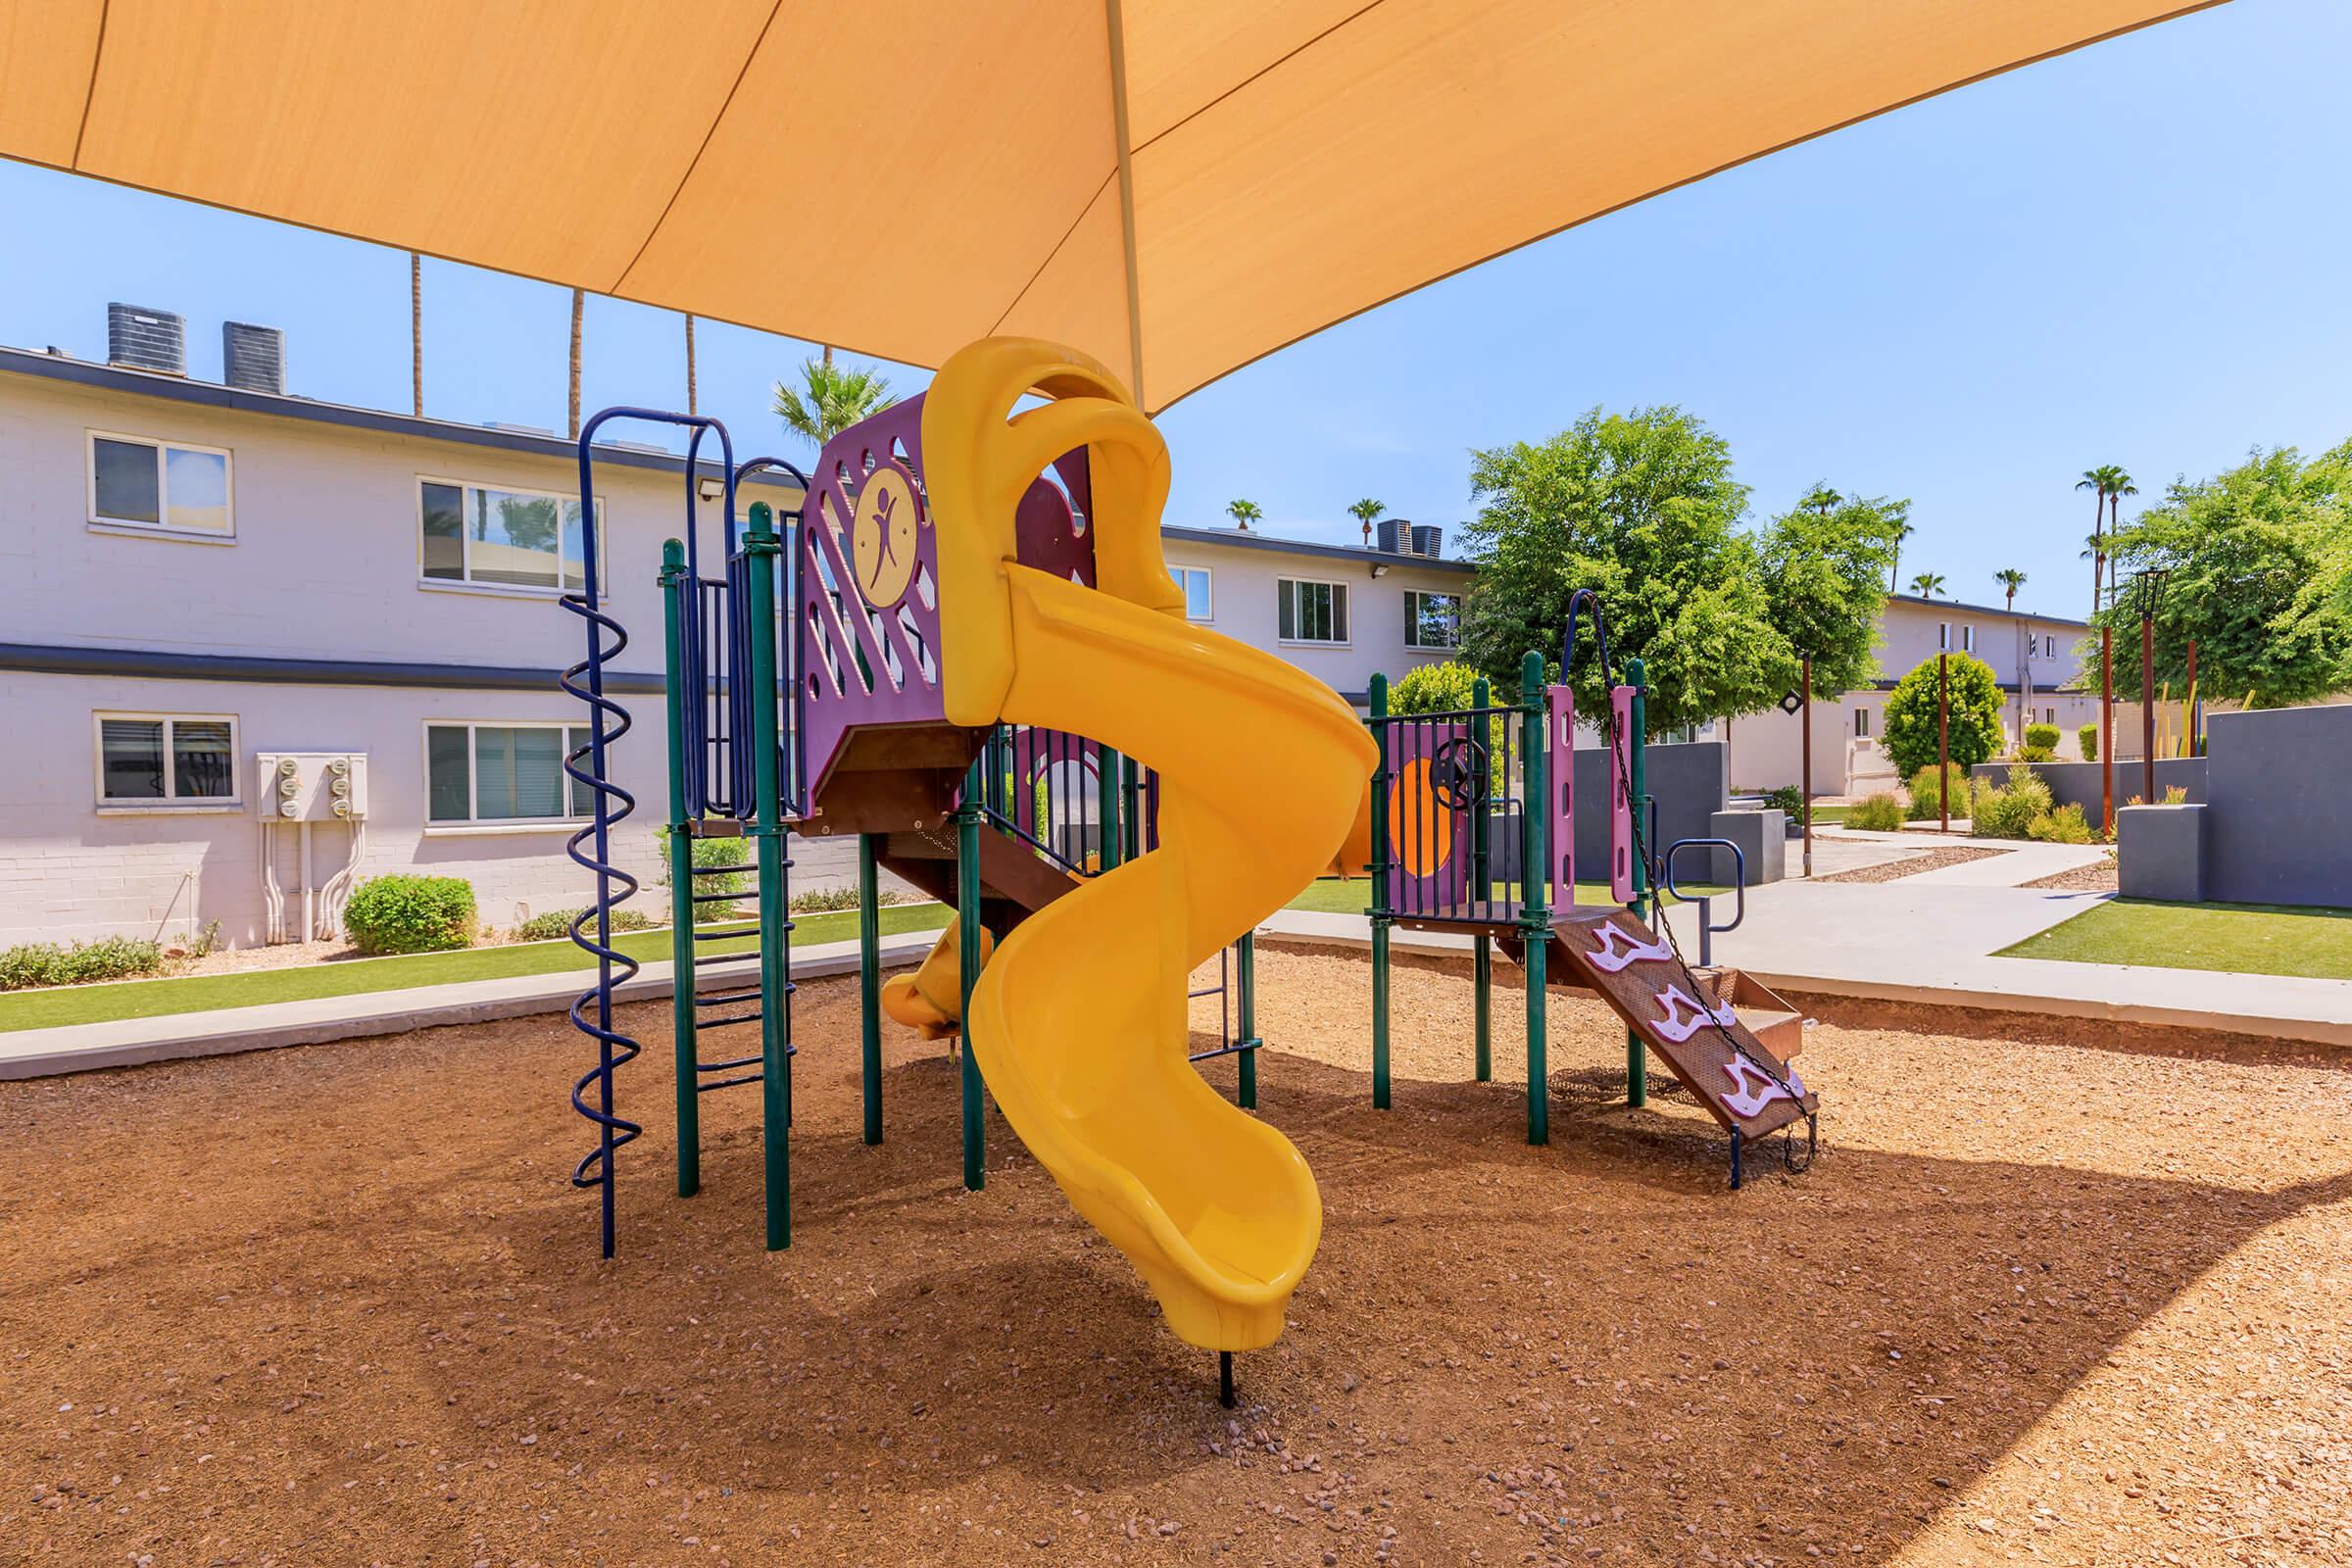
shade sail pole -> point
(1117, 33)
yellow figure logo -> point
(882, 535)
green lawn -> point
(2239, 937)
(155, 999)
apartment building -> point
(199, 581)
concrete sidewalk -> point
(1905, 942)
(126, 1041)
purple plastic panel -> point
(1561, 716)
(1621, 806)
(860, 666)
(1428, 852)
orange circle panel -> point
(1420, 850)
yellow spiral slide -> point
(1079, 1020)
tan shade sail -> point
(1177, 187)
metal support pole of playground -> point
(1244, 979)
(967, 963)
(1944, 743)
(1379, 872)
(1636, 785)
(1535, 877)
(869, 985)
(682, 879)
(1482, 945)
(761, 549)
(1804, 766)
(1106, 808)
(2107, 727)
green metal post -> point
(1535, 920)
(1244, 979)
(967, 963)
(761, 548)
(1379, 910)
(869, 985)
(1482, 945)
(681, 876)
(1107, 807)
(1636, 1060)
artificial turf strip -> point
(2239, 937)
(157, 998)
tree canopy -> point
(1913, 722)
(1643, 509)
(2258, 569)
(830, 399)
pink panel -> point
(1562, 720)
(1621, 808)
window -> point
(1194, 580)
(1432, 620)
(136, 484)
(502, 773)
(1861, 721)
(477, 534)
(2049, 646)
(167, 759)
(1310, 611)
(2049, 716)
(1967, 639)
(1943, 634)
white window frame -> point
(474, 823)
(1862, 723)
(171, 801)
(1288, 585)
(1943, 628)
(1208, 588)
(504, 590)
(1413, 622)
(163, 527)
(1968, 638)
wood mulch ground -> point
(2055, 1291)
(2097, 877)
(1896, 871)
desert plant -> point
(1928, 793)
(2045, 736)
(2035, 754)
(556, 923)
(405, 912)
(2010, 811)
(45, 964)
(2176, 795)
(2063, 825)
(1877, 813)
(1787, 798)
(2087, 737)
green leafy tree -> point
(2011, 580)
(1820, 568)
(1642, 509)
(830, 399)
(1977, 733)
(1367, 512)
(1928, 584)
(1242, 514)
(2258, 569)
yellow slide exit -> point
(1079, 1020)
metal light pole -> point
(2151, 589)
(1944, 743)
(1805, 767)
(2107, 727)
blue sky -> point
(2132, 254)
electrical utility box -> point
(312, 786)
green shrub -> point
(558, 923)
(2064, 825)
(1445, 688)
(712, 852)
(2010, 812)
(2087, 737)
(2035, 754)
(45, 964)
(405, 912)
(1976, 730)
(2045, 736)
(1927, 800)
(1789, 799)
(824, 900)
(1877, 813)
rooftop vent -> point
(252, 359)
(141, 339)
(1395, 535)
(1428, 540)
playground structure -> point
(1471, 831)
(984, 675)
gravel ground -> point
(2097, 877)
(2064, 1293)
(1932, 860)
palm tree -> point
(579, 303)
(1822, 498)
(830, 399)
(1365, 511)
(417, 330)
(2011, 580)
(1894, 562)
(2100, 482)
(1928, 584)
(1242, 514)
(2119, 485)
